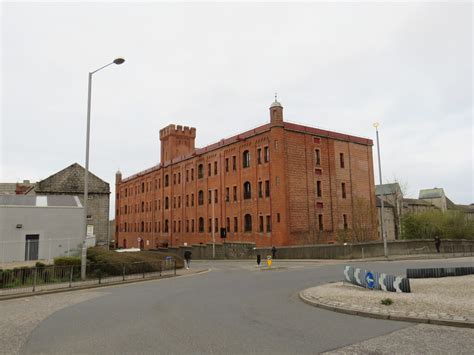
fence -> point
(36, 279)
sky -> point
(215, 66)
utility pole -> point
(382, 229)
(213, 226)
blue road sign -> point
(369, 279)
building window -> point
(174, 179)
(166, 203)
(209, 197)
(143, 206)
(259, 156)
(318, 189)
(187, 175)
(247, 223)
(260, 224)
(209, 227)
(343, 187)
(235, 193)
(227, 225)
(215, 168)
(192, 226)
(320, 222)
(143, 187)
(227, 194)
(278, 217)
(192, 200)
(317, 157)
(179, 178)
(341, 159)
(247, 190)
(174, 202)
(166, 228)
(179, 226)
(192, 174)
(226, 165)
(344, 217)
(246, 159)
(266, 154)
(200, 198)
(216, 225)
(269, 224)
(201, 225)
(267, 188)
(187, 200)
(187, 226)
(174, 226)
(200, 171)
(142, 227)
(319, 205)
(260, 189)
(159, 227)
(216, 200)
(179, 201)
(209, 169)
(236, 224)
(167, 182)
(234, 163)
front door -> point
(31, 246)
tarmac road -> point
(234, 309)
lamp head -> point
(376, 124)
(119, 61)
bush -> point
(67, 261)
(108, 262)
(387, 301)
(40, 264)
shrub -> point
(40, 264)
(387, 301)
(67, 261)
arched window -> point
(166, 226)
(167, 180)
(247, 223)
(167, 202)
(246, 159)
(247, 190)
(200, 171)
(200, 198)
(201, 225)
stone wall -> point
(224, 251)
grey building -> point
(40, 227)
(70, 181)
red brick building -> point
(278, 184)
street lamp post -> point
(382, 229)
(117, 61)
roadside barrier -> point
(35, 279)
(376, 280)
(425, 273)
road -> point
(233, 309)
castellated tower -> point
(176, 141)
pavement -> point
(236, 308)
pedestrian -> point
(437, 243)
(187, 258)
(259, 258)
(274, 252)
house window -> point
(200, 171)
(247, 190)
(159, 227)
(318, 189)
(341, 159)
(179, 201)
(247, 223)
(201, 225)
(317, 157)
(260, 188)
(267, 188)
(266, 154)
(167, 182)
(166, 226)
(209, 197)
(179, 226)
(216, 225)
(174, 226)
(142, 225)
(343, 187)
(215, 168)
(209, 227)
(235, 193)
(278, 217)
(174, 202)
(320, 222)
(246, 159)
(143, 206)
(143, 187)
(187, 175)
(236, 225)
(215, 196)
(192, 200)
(187, 200)
(234, 163)
(269, 224)
(227, 225)
(259, 156)
(226, 165)
(179, 178)
(200, 198)
(187, 226)
(260, 224)
(174, 179)
(209, 169)
(227, 194)
(192, 226)
(344, 217)
(192, 174)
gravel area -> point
(449, 295)
(20, 316)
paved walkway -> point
(443, 301)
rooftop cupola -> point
(276, 113)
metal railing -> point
(36, 279)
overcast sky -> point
(216, 66)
